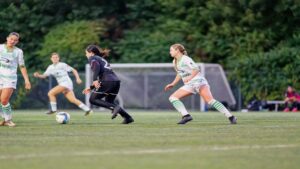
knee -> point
(4, 102)
(173, 98)
(50, 94)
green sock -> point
(220, 107)
(7, 112)
(179, 106)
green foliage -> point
(150, 45)
(70, 40)
(266, 75)
(229, 32)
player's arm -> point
(195, 69)
(25, 76)
(193, 74)
(96, 68)
(75, 72)
(175, 81)
(38, 75)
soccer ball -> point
(62, 117)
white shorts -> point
(194, 85)
(8, 83)
(67, 84)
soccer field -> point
(261, 140)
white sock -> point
(53, 106)
(179, 106)
(220, 107)
(7, 113)
(84, 107)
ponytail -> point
(180, 48)
(98, 51)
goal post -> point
(142, 85)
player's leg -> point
(6, 107)
(103, 92)
(72, 98)
(96, 99)
(119, 110)
(1, 112)
(52, 98)
(113, 89)
(205, 92)
(179, 106)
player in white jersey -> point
(10, 58)
(65, 85)
(194, 82)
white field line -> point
(145, 151)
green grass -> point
(260, 140)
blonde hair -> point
(179, 47)
(55, 53)
(14, 34)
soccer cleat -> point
(88, 112)
(9, 123)
(115, 112)
(233, 120)
(286, 109)
(127, 120)
(50, 112)
(2, 123)
(185, 119)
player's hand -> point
(27, 85)
(36, 74)
(186, 80)
(86, 91)
(97, 84)
(169, 86)
(78, 81)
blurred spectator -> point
(292, 99)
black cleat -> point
(50, 112)
(233, 120)
(127, 120)
(115, 112)
(185, 119)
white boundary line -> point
(147, 151)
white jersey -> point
(60, 72)
(184, 68)
(9, 61)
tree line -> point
(256, 41)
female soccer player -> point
(65, 85)
(194, 82)
(105, 83)
(10, 58)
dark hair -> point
(98, 51)
(15, 34)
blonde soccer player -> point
(10, 58)
(194, 82)
(65, 85)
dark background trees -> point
(255, 40)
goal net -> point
(142, 85)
